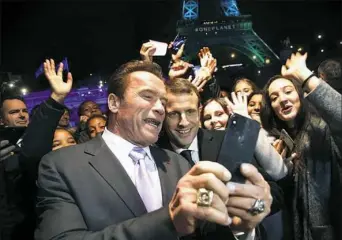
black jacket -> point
(18, 173)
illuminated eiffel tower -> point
(230, 29)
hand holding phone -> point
(177, 43)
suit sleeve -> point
(59, 216)
(38, 137)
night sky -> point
(97, 36)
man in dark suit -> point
(183, 135)
(19, 163)
(117, 186)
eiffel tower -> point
(231, 29)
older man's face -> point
(140, 114)
(14, 113)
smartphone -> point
(284, 136)
(177, 43)
(12, 134)
(161, 48)
(238, 145)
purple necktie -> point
(143, 181)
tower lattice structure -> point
(227, 28)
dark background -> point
(97, 36)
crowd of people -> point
(148, 167)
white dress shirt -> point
(121, 149)
(193, 148)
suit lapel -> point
(164, 164)
(111, 170)
(208, 147)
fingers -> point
(201, 86)
(3, 143)
(217, 214)
(60, 70)
(234, 98)
(147, 49)
(170, 45)
(6, 151)
(290, 159)
(230, 106)
(211, 167)
(83, 118)
(241, 213)
(189, 195)
(244, 99)
(210, 182)
(244, 203)
(276, 143)
(283, 70)
(245, 190)
(279, 145)
(210, 214)
(50, 68)
(283, 153)
(252, 174)
(47, 69)
(53, 67)
(179, 53)
(69, 79)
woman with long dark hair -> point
(315, 124)
(214, 114)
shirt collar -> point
(193, 146)
(125, 146)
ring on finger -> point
(204, 197)
(258, 207)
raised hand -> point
(146, 51)
(204, 55)
(207, 60)
(295, 67)
(178, 69)
(60, 89)
(281, 148)
(178, 56)
(202, 77)
(239, 104)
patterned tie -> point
(143, 181)
(187, 155)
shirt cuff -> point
(245, 236)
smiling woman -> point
(315, 179)
(214, 114)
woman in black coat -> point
(313, 190)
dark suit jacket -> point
(85, 193)
(18, 173)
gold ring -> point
(204, 197)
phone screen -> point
(284, 136)
(178, 42)
(12, 134)
(238, 145)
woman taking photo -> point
(315, 124)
